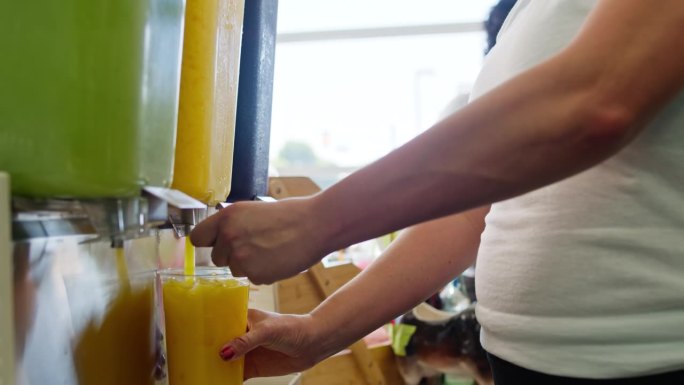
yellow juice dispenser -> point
(203, 168)
(208, 98)
(210, 106)
(207, 109)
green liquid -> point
(80, 99)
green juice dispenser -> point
(89, 95)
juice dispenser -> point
(88, 112)
(208, 98)
(87, 88)
(255, 94)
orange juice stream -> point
(201, 315)
(122, 268)
(189, 268)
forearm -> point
(417, 264)
(472, 158)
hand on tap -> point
(264, 241)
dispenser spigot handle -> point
(180, 211)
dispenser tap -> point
(261, 198)
(180, 211)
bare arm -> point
(559, 118)
(417, 264)
(555, 120)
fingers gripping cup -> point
(201, 313)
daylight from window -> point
(355, 79)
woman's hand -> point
(264, 241)
(275, 344)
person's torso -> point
(588, 271)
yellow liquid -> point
(119, 347)
(189, 265)
(208, 98)
(201, 315)
(122, 268)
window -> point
(355, 79)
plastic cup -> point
(202, 312)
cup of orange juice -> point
(202, 312)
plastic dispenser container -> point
(208, 98)
(88, 101)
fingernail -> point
(227, 353)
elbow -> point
(608, 126)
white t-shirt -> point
(585, 277)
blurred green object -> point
(457, 380)
(400, 335)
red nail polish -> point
(227, 353)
